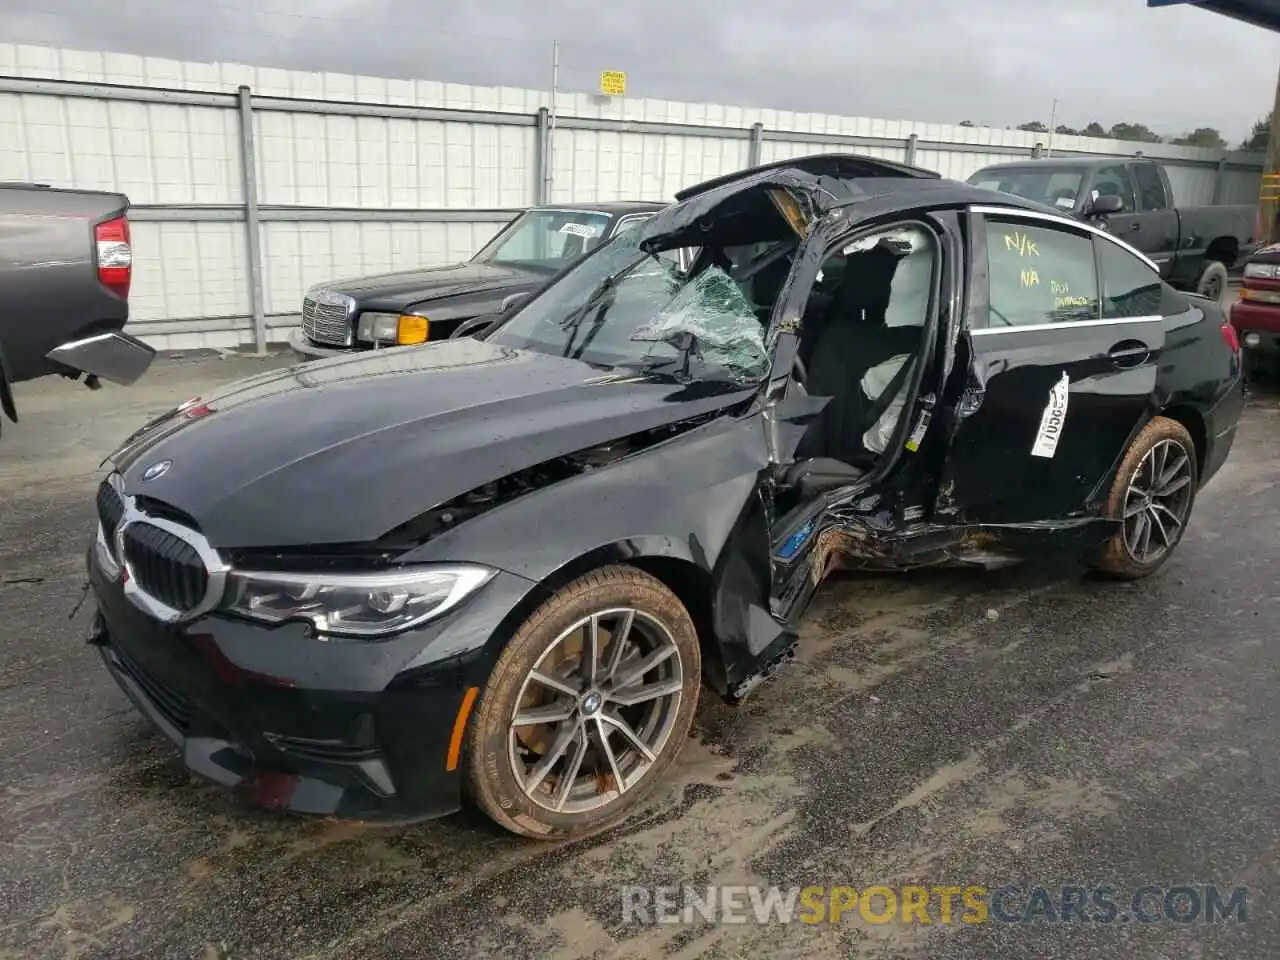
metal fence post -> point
(540, 159)
(913, 142)
(249, 179)
(755, 146)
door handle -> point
(1129, 353)
(1135, 227)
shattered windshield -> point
(625, 308)
(547, 239)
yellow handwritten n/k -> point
(1020, 244)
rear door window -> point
(1130, 288)
(1039, 274)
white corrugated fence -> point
(354, 175)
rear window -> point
(1055, 187)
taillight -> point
(115, 256)
(1229, 334)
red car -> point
(1256, 315)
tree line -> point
(1141, 133)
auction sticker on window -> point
(1053, 419)
(588, 231)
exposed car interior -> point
(861, 339)
(862, 331)
(862, 326)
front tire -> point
(586, 707)
(1152, 497)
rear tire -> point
(1213, 281)
(1153, 496)
(597, 732)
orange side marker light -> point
(460, 727)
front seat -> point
(767, 284)
(846, 347)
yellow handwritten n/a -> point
(1030, 278)
(1020, 244)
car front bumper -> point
(350, 729)
(1257, 325)
(307, 350)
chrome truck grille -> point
(169, 569)
(326, 318)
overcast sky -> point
(1000, 62)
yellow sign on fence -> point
(613, 83)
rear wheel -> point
(586, 707)
(1152, 497)
(1213, 281)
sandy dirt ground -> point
(1031, 726)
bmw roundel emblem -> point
(156, 470)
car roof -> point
(906, 194)
(843, 167)
(1069, 163)
(852, 188)
(611, 207)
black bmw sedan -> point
(504, 566)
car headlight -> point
(355, 604)
(1266, 271)
(397, 328)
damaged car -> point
(503, 567)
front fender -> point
(693, 500)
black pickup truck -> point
(1193, 246)
(66, 265)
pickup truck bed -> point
(65, 271)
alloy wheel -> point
(1157, 502)
(596, 711)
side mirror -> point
(1106, 205)
(514, 301)
(474, 327)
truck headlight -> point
(397, 328)
(362, 605)
(1265, 271)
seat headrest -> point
(867, 283)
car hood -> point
(435, 283)
(1270, 253)
(342, 451)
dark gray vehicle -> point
(431, 303)
(65, 268)
(1194, 247)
